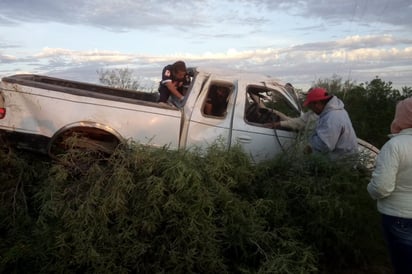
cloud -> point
(85, 56)
(4, 45)
(295, 40)
(125, 15)
(116, 15)
(359, 58)
(4, 21)
(393, 12)
(355, 42)
(4, 58)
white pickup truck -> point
(39, 113)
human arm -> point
(173, 90)
(383, 178)
(169, 82)
(281, 115)
(282, 121)
(292, 123)
(208, 107)
(296, 123)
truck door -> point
(210, 120)
(253, 112)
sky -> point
(295, 41)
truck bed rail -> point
(78, 88)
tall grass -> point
(158, 211)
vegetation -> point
(158, 211)
(122, 78)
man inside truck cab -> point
(216, 102)
(174, 79)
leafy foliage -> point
(18, 209)
(329, 203)
(372, 104)
(119, 78)
(335, 84)
(158, 211)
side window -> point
(263, 106)
(216, 101)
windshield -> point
(261, 102)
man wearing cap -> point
(334, 134)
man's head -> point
(317, 99)
(222, 92)
(179, 70)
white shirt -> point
(391, 182)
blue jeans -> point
(398, 235)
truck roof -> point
(235, 74)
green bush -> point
(158, 211)
(18, 211)
(329, 204)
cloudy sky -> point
(295, 41)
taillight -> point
(2, 108)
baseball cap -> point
(316, 94)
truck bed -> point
(81, 88)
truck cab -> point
(250, 101)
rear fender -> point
(90, 135)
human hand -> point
(276, 124)
(268, 125)
(272, 125)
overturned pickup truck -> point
(39, 113)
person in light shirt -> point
(334, 134)
(391, 187)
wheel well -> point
(87, 137)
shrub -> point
(329, 204)
(159, 211)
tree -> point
(335, 84)
(371, 107)
(119, 78)
(406, 92)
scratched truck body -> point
(40, 113)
